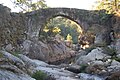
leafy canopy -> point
(112, 6)
(30, 5)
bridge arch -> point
(37, 19)
(64, 23)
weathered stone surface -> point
(12, 59)
(114, 62)
(84, 76)
(8, 75)
(49, 52)
(30, 62)
(116, 28)
(12, 68)
(94, 55)
(117, 45)
(36, 50)
(74, 68)
(114, 76)
(11, 71)
(58, 74)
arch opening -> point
(67, 29)
(62, 26)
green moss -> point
(15, 53)
(39, 75)
(1, 55)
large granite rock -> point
(49, 52)
(94, 55)
(12, 68)
(10, 71)
(52, 70)
(8, 75)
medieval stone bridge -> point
(31, 23)
(86, 19)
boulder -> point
(114, 76)
(74, 68)
(36, 50)
(114, 67)
(94, 55)
(48, 52)
(96, 69)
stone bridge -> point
(28, 25)
(86, 19)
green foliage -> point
(63, 27)
(15, 53)
(69, 37)
(110, 5)
(39, 75)
(83, 68)
(110, 51)
(1, 55)
(29, 5)
(117, 59)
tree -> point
(112, 6)
(29, 5)
(69, 37)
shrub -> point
(83, 68)
(1, 55)
(15, 53)
(117, 59)
(109, 51)
(39, 75)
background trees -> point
(63, 27)
(112, 6)
(29, 5)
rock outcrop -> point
(14, 71)
(49, 52)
